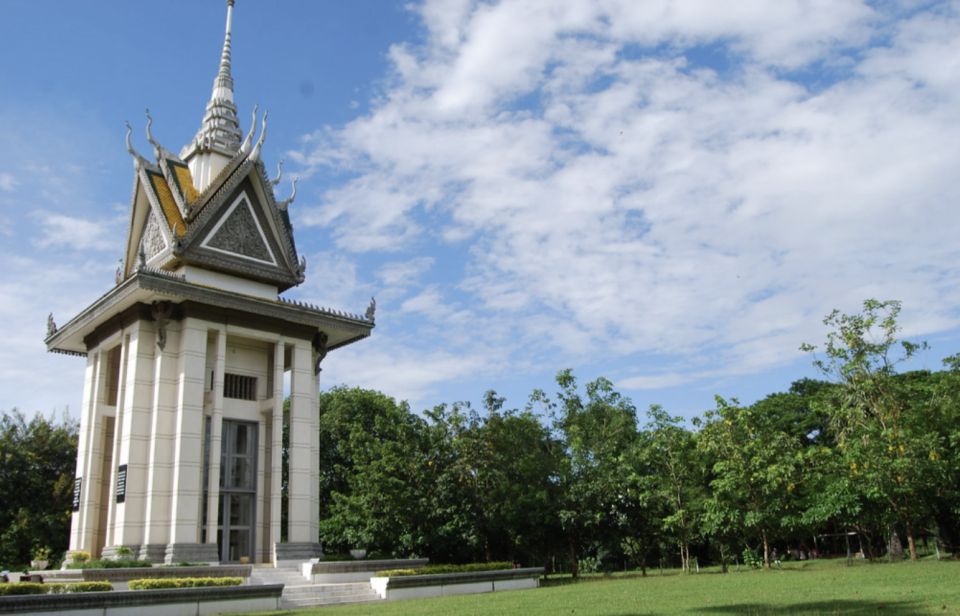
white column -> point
(80, 536)
(276, 446)
(161, 437)
(302, 526)
(117, 433)
(188, 440)
(134, 411)
(216, 431)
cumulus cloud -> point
(59, 230)
(688, 181)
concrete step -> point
(327, 594)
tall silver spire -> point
(220, 130)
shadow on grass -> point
(900, 608)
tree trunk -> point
(574, 563)
(766, 550)
(911, 542)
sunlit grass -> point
(809, 587)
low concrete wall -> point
(171, 602)
(342, 571)
(443, 584)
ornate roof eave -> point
(147, 285)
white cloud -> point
(58, 230)
(7, 182)
(687, 180)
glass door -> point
(238, 490)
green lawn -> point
(820, 587)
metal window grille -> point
(239, 387)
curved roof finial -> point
(136, 155)
(283, 205)
(149, 130)
(255, 155)
(276, 180)
(248, 141)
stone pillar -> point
(118, 434)
(188, 447)
(81, 536)
(160, 454)
(301, 523)
(216, 431)
(134, 413)
(276, 447)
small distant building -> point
(191, 355)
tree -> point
(37, 463)
(371, 472)
(597, 504)
(755, 471)
(497, 481)
(883, 437)
(676, 476)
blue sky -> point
(671, 194)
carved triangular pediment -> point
(240, 234)
(152, 241)
(240, 230)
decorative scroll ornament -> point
(247, 144)
(319, 350)
(302, 268)
(136, 155)
(255, 155)
(371, 310)
(276, 180)
(161, 312)
(283, 205)
(51, 325)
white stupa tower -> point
(189, 359)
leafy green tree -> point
(755, 471)
(597, 505)
(372, 472)
(883, 435)
(676, 477)
(498, 482)
(37, 463)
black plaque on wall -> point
(121, 483)
(77, 484)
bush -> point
(109, 564)
(89, 587)
(24, 588)
(34, 588)
(161, 583)
(78, 556)
(432, 569)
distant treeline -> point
(868, 459)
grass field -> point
(811, 587)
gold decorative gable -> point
(183, 181)
(167, 203)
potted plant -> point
(41, 559)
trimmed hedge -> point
(23, 588)
(89, 587)
(433, 569)
(123, 563)
(196, 582)
(34, 588)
